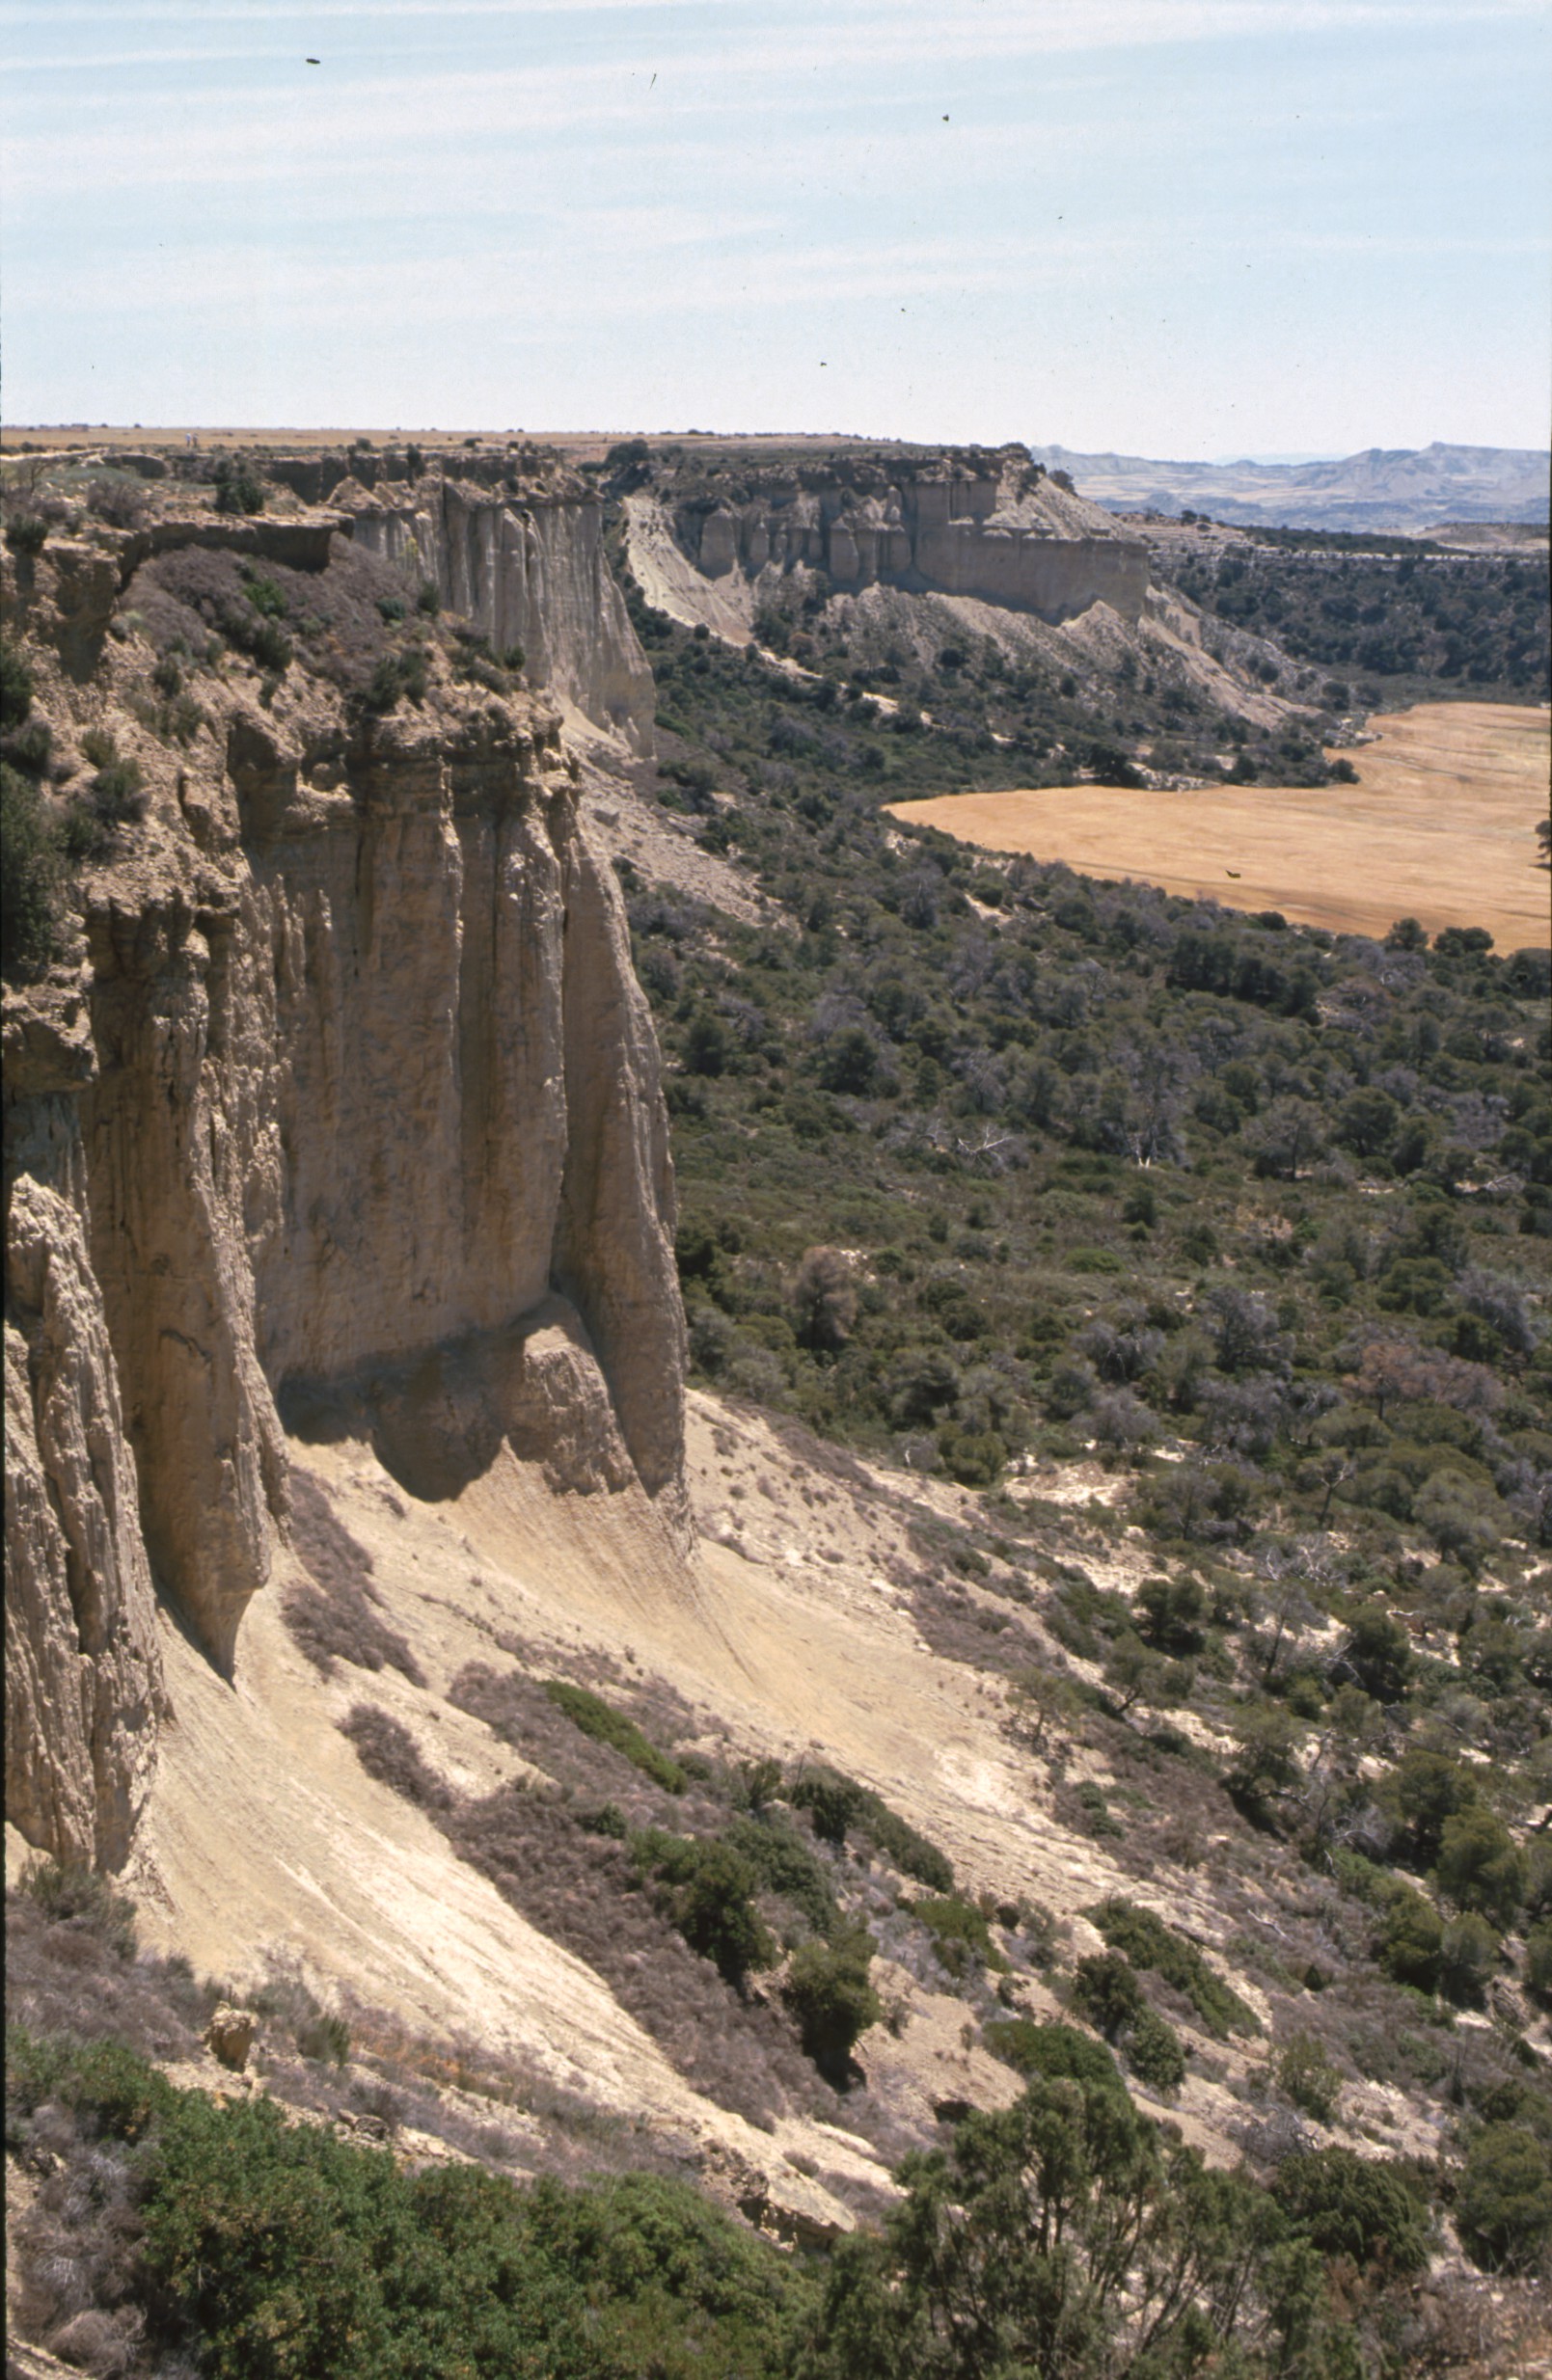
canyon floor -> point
(1439, 827)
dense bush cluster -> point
(347, 623)
(1476, 624)
(254, 2245)
(1070, 2234)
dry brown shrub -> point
(332, 614)
(388, 1751)
(515, 1707)
(64, 1979)
(334, 1619)
(77, 2248)
(582, 1890)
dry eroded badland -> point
(1439, 827)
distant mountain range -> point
(1383, 488)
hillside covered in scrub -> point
(815, 1568)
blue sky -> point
(1166, 227)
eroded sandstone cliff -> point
(984, 524)
(344, 1097)
(526, 565)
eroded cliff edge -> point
(976, 521)
(342, 1098)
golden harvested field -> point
(1441, 827)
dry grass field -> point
(1439, 827)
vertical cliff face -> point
(83, 1672)
(354, 1110)
(160, 1221)
(986, 524)
(528, 568)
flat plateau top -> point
(93, 436)
(1441, 827)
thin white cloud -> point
(229, 283)
(1099, 22)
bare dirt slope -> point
(791, 1629)
(1439, 827)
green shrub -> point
(606, 1725)
(395, 676)
(1421, 1794)
(715, 1912)
(116, 2093)
(709, 1891)
(282, 2250)
(83, 833)
(1152, 2051)
(257, 2231)
(834, 1802)
(118, 791)
(786, 1865)
(1099, 1818)
(1148, 1942)
(29, 747)
(1378, 1652)
(1308, 2076)
(1411, 1947)
(907, 1850)
(1468, 1954)
(267, 597)
(1056, 2051)
(1538, 1960)
(609, 1819)
(1503, 2209)
(26, 534)
(1355, 2206)
(1106, 1993)
(1063, 2235)
(961, 1934)
(15, 687)
(239, 487)
(1481, 1867)
(31, 879)
(827, 1990)
(1172, 1611)
(673, 2287)
(270, 647)
(837, 1803)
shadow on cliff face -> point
(439, 1422)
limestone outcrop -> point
(346, 1100)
